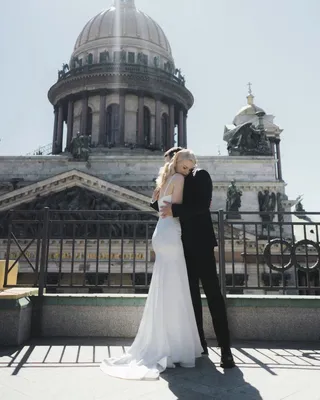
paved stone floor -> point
(68, 369)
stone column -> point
(140, 140)
(171, 126)
(273, 146)
(185, 116)
(70, 124)
(84, 115)
(152, 130)
(102, 119)
(59, 130)
(55, 131)
(277, 141)
(273, 150)
(181, 129)
(158, 123)
(122, 112)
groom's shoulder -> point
(200, 172)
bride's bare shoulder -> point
(178, 177)
(178, 181)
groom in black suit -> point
(199, 240)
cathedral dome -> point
(249, 109)
(123, 26)
(248, 112)
(121, 86)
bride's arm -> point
(177, 194)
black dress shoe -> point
(227, 360)
(205, 352)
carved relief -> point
(78, 213)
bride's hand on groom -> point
(166, 210)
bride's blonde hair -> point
(169, 168)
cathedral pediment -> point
(71, 179)
(78, 191)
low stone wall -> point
(279, 318)
(16, 316)
(23, 314)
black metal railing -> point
(123, 68)
(95, 252)
(277, 256)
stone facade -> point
(124, 91)
(136, 174)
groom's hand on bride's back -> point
(166, 210)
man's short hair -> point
(171, 152)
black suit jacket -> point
(194, 212)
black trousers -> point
(201, 266)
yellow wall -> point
(12, 277)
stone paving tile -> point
(12, 394)
(306, 395)
(68, 369)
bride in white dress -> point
(168, 332)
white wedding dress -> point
(168, 332)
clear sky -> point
(219, 45)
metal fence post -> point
(222, 259)
(6, 271)
(44, 248)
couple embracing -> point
(171, 330)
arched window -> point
(164, 131)
(90, 58)
(104, 57)
(146, 126)
(113, 124)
